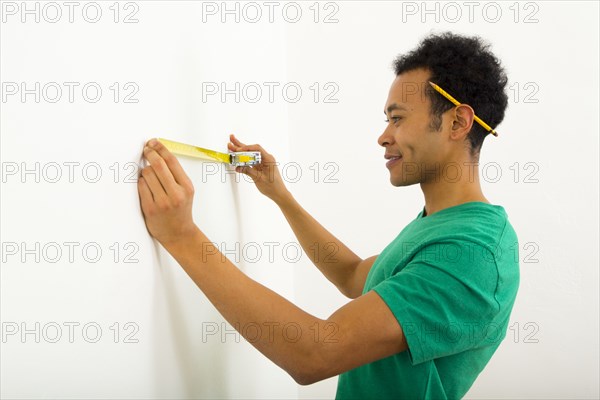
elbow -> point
(348, 291)
(349, 287)
(351, 294)
(311, 370)
(301, 379)
(305, 378)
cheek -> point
(408, 136)
(419, 148)
(433, 150)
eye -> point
(393, 119)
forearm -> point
(336, 261)
(277, 328)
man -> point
(430, 310)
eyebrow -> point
(393, 107)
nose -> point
(386, 138)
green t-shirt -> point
(450, 279)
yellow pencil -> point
(457, 103)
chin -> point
(398, 182)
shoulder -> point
(477, 223)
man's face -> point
(408, 133)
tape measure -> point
(238, 159)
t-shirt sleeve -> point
(445, 299)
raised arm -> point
(308, 348)
(338, 263)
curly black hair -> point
(464, 67)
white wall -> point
(552, 348)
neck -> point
(448, 191)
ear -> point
(462, 121)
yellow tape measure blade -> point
(195, 151)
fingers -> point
(160, 171)
(265, 157)
(235, 141)
(253, 147)
(251, 172)
(167, 167)
(234, 144)
(158, 193)
(145, 194)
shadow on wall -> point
(184, 364)
(188, 360)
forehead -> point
(408, 90)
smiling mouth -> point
(393, 160)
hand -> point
(166, 195)
(265, 175)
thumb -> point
(247, 170)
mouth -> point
(393, 159)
